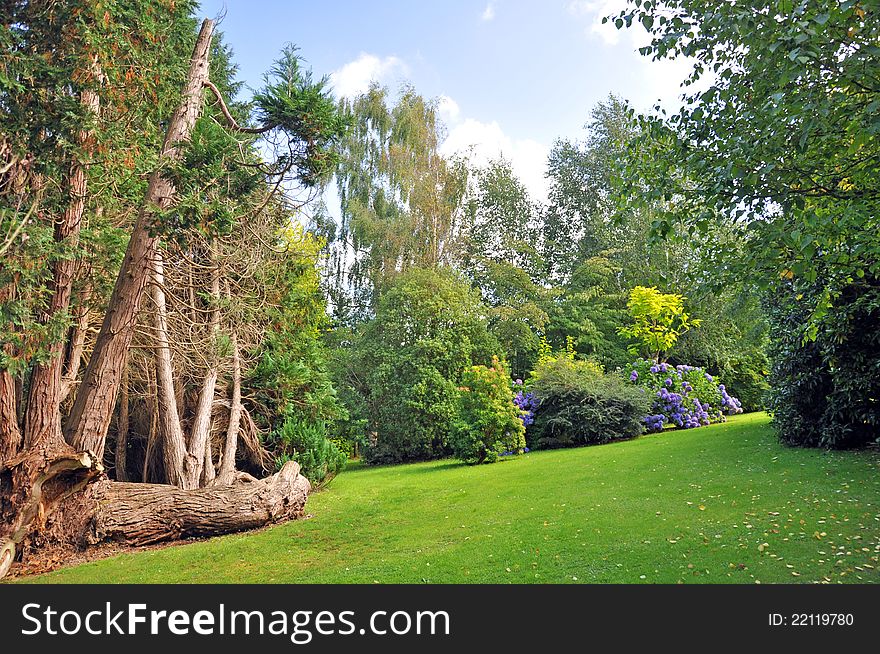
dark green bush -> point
(825, 392)
(580, 405)
(400, 376)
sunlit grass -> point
(724, 503)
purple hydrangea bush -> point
(527, 403)
(684, 396)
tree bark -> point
(92, 410)
(209, 473)
(42, 416)
(227, 461)
(121, 454)
(10, 433)
(143, 514)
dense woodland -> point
(192, 336)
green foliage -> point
(291, 375)
(307, 443)
(785, 137)
(214, 187)
(589, 310)
(500, 257)
(487, 421)
(580, 405)
(301, 110)
(51, 56)
(402, 202)
(404, 367)
(659, 318)
(825, 390)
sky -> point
(511, 76)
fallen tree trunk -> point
(83, 514)
(143, 514)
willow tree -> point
(402, 200)
(52, 486)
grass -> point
(724, 503)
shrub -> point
(825, 391)
(488, 423)
(401, 377)
(684, 396)
(526, 402)
(580, 405)
(306, 442)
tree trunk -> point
(92, 410)
(121, 455)
(227, 461)
(75, 349)
(200, 431)
(153, 435)
(10, 434)
(42, 415)
(178, 466)
(142, 514)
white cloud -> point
(486, 141)
(448, 109)
(488, 12)
(593, 11)
(355, 77)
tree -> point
(404, 368)
(402, 201)
(588, 311)
(501, 258)
(784, 139)
(659, 318)
(53, 477)
(584, 218)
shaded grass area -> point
(724, 503)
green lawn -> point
(718, 504)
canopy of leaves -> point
(658, 320)
(785, 138)
(402, 201)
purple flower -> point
(633, 376)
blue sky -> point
(512, 75)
